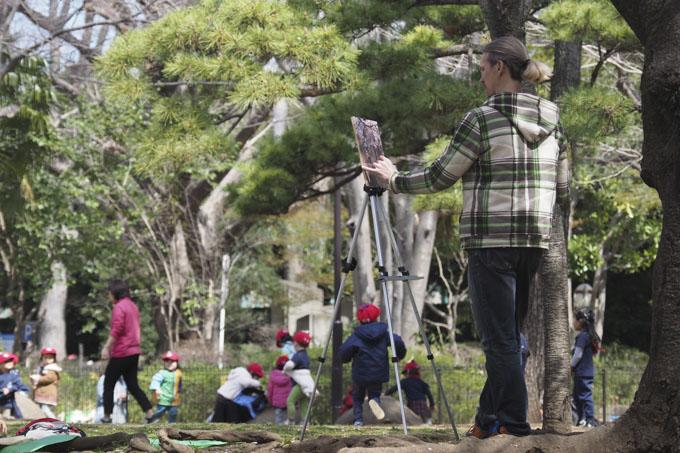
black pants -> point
(126, 367)
(229, 412)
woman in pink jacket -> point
(122, 350)
(278, 388)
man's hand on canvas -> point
(383, 168)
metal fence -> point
(613, 392)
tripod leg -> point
(386, 301)
(347, 266)
(430, 356)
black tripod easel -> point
(379, 217)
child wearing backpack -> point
(366, 348)
(586, 345)
(416, 390)
(45, 381)
(278, 389)
(298, 370)
(166, 386)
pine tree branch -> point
(457, 49)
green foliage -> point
(224, 53)
(26, 135)
(590, 21)
(594, 113)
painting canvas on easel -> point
(369, 144)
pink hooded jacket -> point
(278, 388)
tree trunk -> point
(534, 374)
(362, 275)
(599, 298)
(506, 17)
(651, 422)
(52, 313)
(567, 74)
(420, 265)
(556, 406)
(404, 235)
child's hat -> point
(412, 365)
(302, 338)
(6, 356)
(281, 333)
(48, 350)
(256, 368)
(368, 313)
(281, 360)
(171, 356)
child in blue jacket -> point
(416, 390)
(366, 348)
(10, 383)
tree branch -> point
(457, 49)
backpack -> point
(44, 427)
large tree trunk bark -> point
(556, 406)
(420, 265)
(52, 312)
(651, 423)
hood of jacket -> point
(533, 116)
(238, 373)
(52, 367)
(371, 332)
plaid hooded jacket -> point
(511, 154)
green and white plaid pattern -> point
(512, 156)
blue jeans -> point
(583, 397)
(171, 410)
(499, 281)
(360, 389)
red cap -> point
(171, 356)
(412, 365)
(48, 350)
(6, 356)
(281, 360)
(368, 313)
(256, 368)
(302, 338)
(281, 333)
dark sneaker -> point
(149, 420)
(106, 420)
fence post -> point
(604, 396)
(81, 352)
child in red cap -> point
(285, 342)
(45, 381)
(366, 348)
(278, 389)
(239, 379)
(166, 386)
(10, 383)
(416, 390)
(298, 370)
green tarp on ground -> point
(37, 444)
